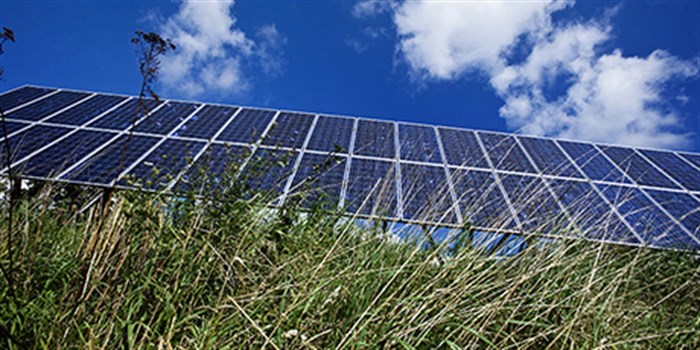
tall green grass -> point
(163, 272)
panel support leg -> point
(106, 200)
(15, 188)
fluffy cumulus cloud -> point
(564, 84)
(212, 53)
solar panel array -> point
(423, 174)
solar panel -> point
(378, 170)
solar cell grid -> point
(548, 157)
(682, 206)
(331, 134)
(318, 180)
(247, 126)
(214, 171)
(375, 138)
(536, 209)
(425, 194)
(55, 159)
(637, 168)
(28, 141)
(42, 109)
(372, 188)
(693, 158)
(103, 167)
(21, 96)
(462, 148)
(419, 143)
(124, 116)
(505, 153)
(166, 118)
(87, 110)
(289, 130)
(162, 165)
(206, 122)
(481, 200)
(592, 162)
(11, 127)
(677, 168)
(268, 171)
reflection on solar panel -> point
(418, 174)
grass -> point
(162, 272)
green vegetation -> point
(164, 272)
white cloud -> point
(211, 51)
(368, 8)
(601, 96)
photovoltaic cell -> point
(47, 106)
(214, 171)
(55, 159)
(289, 130)
(419, 143)
(166, 118)
(590, 212)
(637, 168)
(505, 153)
(548, 157)
(592, 162)
(268, 171)
(206, 122)
(481, 200)
(371, 188)
(124, 116)
(331, 134)
(103, 167)
(162, 165)
(247, 126)
(462, 148)
(652, 224)
(681, 206)
(375, 138)
(426, 194)
(29, 141)
(677, 168)
(21, 96)
(87, 110)
(535, 206)
(11, 127)
(693, 158)
(318, 180)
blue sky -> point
(618, 72)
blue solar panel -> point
(207, 122)
(677, 168)
(462, 148)
(375, 138)
(637, 168)
(47, 106)
(693, 158)
(214, 170)
(590, 212)
(21, 96)
(55, 159)
(592, 162)
(536, 209)
(331, 134)
(481, 200)
(29, 141)
(681, 206)
(268, 171)
(318, 180)
(11, 127)
(166, 118)
(426, 194)
(289, 130)
(103, 167)
(247, 126)
(87, 110)
(505, 153)
(419, 143)
(162, 165)
(124, 116)
(647, 219)
(371, 188)
(548, 157)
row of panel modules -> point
(423, 174)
